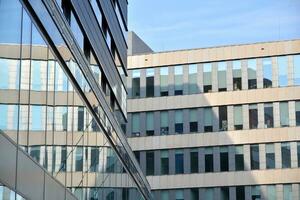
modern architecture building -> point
(63, 95)
(218, 123)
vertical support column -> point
(275, 82)
(247, 158)
(143, 83)
(143, 124)
(262, 156)
(229, 76)
(278, 163)
(185, 78)
(215, 111)
(171, 122)
(295, 189)
(156, 123)
(201, 160)
(217, 193)
(245, 117)
(263, 192)
(157, 162)
(279, 190)
(230, 118)
(244, 69)
(186, 163)
(276, 114)
(216, 154)
(200, 118)
(294, 159)
(156, 82)
(248, 192)
(261, 118)
(292, 115)
(200, 78)
(172, 161)
(232, 193)
(202, 194)
(186, 194)
(290, 70)
(171, 81)
(143, 161)
(259, 73)
(231, 155)
(214, 77)
(186, 121)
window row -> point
(255, 192)
(220, 159)
(209, 119)
(269, 72)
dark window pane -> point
(194, 162)
(239, 162)
(286, 155)
(164, 159)
(224, 161)
(237, 83)
(208, 128)
(79, 159)
(94, 159)
(80, 118)
(224, 193)
(254, 154)
(252, 84)
(269, 120)
(253, 117)
(207, 88)
(137, 155)
(149, 163)
(270, 156)
(194, 194)
(179, 162)
(222, 118)
(209, 162)
(179, 128)
(149, 86)
(240, 193)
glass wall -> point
(178, 80)
(252, 81)
(207, 77)
(237, 75)
(282, 71)
(164, 83)
(296, 70)
(150, 82)
(136, 83)
(270, 156)
(193, 85)
(267, 72)
(222, 81)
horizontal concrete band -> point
(215, 139)
(214, 99)
(214, 54)
(255, 177)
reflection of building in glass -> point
(221, 123)
(63, 101)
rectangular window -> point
(209, 194)
(237, 75)
(178, 121)
(194, 161)
(63, 159)
(136, 83)
(255, 192)
(79, 159)
(287, 192)
(149, 123)
(37, 117)
(193, 86)
(209, 160)
(254, 155)
(94, 159)
(150, 82)
(270, 156)
(164, 123)
(222, 83)
(194, 194)
(178, 80)
(135, 124)
(207, 73)
(35, 153)
(239, 158)
(268, 114)
(223, 118)
(224, 164)
(282, 71)
(80, 120)
(208, 120)
(284, 114)
(253, 116)
(179, 195)
(267, 72)
(297, 112)
(150, 163)
(164, 160)
(286, 155)
(271, 192)
(238, 117)
(38, 81)
(193, 120)
(240, 193)
(164, 83)
(179, 168)
(111, 161)
(224, 193)
(297, 70)
(252, 81)
(164, 195)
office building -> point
(218, 123)
(63, 95)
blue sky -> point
(182, 24)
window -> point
(297, 112)
(224, 164)
(149, 163)
(252, 81)
(209, 160)
(37, 116)
(9, 117)
(207, 86)
(97, 11)
(178, 80)
(238, 117)
(298, 153)
(282, 71)
(164, 195)
(135, 124)
(255, 193)
(61, 80)
(270, 156)
(137, 156)
(239, 158)
(77, 31)
(224, 193)
(179, 195)
(111, 160)
(271, 192)
(179, 168)
(194, 161)
(286, 155)
(79, 159)
(178, 121)
(164, 161)
(254, 155)
(237, 75)
(193, 86)
(149, 123)
(223, 118)
(136, 83)
(164, 123)
(287, 192)
(297, 70)
(267, 72)
(164, 83)
(222, 83)
(284, 114)
(269, 120)
(193, 120)
(63, 159)
(38, 81)
(194, 194)
(209, 194)
(35, 153)
(208, 120)
(240, 193)
(80, 119)
(253, 116)
(150, 82)
(94, 159)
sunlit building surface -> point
(63, 108)
(218, 123)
